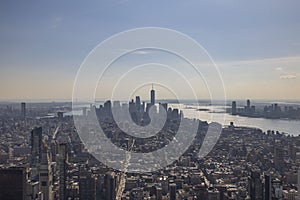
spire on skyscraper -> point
(152, 96)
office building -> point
(233, 108)
(107, 109)
(45, 174)
(255, 186)
(110, 186)
(268, 187)
(62, 167)
(279, 158)
(87, 184)
(163, 106)
(23, 110)
(13, 184)
(60, 114)
(36, 146)
(152, 96)
(172, 191)
(248, 103)
(158, 193)
(138, 103)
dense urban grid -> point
(43, 158)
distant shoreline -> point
(185, 101)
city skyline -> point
(156, 100)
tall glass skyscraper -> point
(152, 94)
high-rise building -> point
(233, 108)
(175, 114)
(107, 109)
(255, 186)
(138, 103)
(172, 191)
(148, 106)
(279, 158)
(62, 167)
(132, 107)
(163, 106)
(23, 110)
(36, 146)
(13, 184)
(277, 189)
(143, 107)
(268, 187)
(292, 151)
(152, 96)
(248, 108)
(298, 181)
(138, 109)
(248, 103)
(45, 173)
(60, 114)
(87, 184)
(116, 108)
(158, 193)
(110, 186)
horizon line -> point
(46, 100)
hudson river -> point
(216, 114)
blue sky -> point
(256, 44)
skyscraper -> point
(36, 146)
(110, 184)
(233, 108)
(279, 158)
(268, 187)
(107, 108)
(87, 184)
(152, 94)
(255, 187)
(248, 103)
(62, 166)
(45, 173)
(138, 103)
(23, 110)
(13, 184)
(172, 191)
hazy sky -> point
(256, 44)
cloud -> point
(55, 22)
(138, 52)
(284, 75)
(288, 76)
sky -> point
(255, 44)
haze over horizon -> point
(256, 45)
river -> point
(216, 114)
